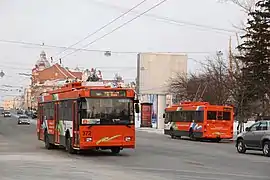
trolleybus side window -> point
(199, 116)
(68, 110)
(188, 116)
(48, 110)
(168, 117)
(41, 113)
(179, 116)
(227, 116)
(65, 110)
(60, 113)
(211, 115)
(219, 115)
(175, 118)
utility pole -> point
(27, 99)
(14, 99)
(230, 58)
(219, 56)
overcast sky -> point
(64, 22)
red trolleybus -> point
(83, 116)
(199, 120)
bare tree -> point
(240, 95)
(217, 85)
(206, 86)
(185, 87)
(246, 5)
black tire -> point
(216, 140)
(47, 143)
(240, 146)
(172, 134)
(115, 150)
(69, 147)
(266, 148)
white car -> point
(7, 114)
(23, 119)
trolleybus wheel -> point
(216, 140)
(69, 147)
(115, 150)
(172, 134)
(48, 145)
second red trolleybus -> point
(199, 120)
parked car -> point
(34, 115)
(7, 114)
(2, 110)
(23, 119)
(256, 137)
(19, 112)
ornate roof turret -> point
(42, 63)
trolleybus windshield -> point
(106, 111)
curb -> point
(147, 131)
(161, 133)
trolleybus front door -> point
(75, 120)
(57, 130)
(40, 123)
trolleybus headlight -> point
(88, 139)
(128, 138)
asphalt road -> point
(156, 157)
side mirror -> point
(137, 108)
(163, 115)
(247, 129)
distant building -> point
(18, 102)
(93, 72)
(42, 63)
(46, 77)
(8, 104)
(27, 98)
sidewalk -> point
(151, 130)
(161, 131)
